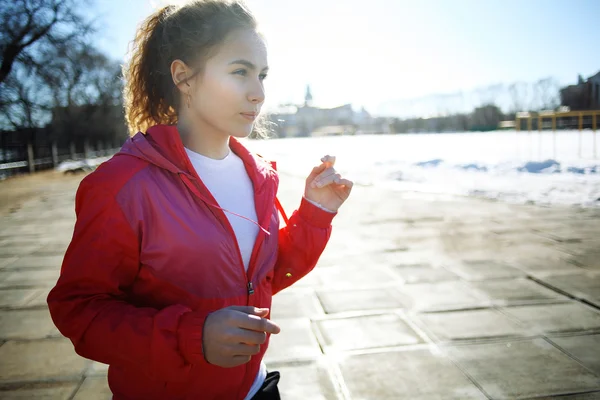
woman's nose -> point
(257, 95)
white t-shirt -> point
(231, 186)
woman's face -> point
(228, 94)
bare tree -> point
(489, 95)
(80, 74)
(519, 94)
(29, 26)
(85, 91)
(34, 42)
(20, 101)
(548, 91)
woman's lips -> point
(249, 116)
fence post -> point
(86, 149)
(594, 133)
(3, 147)
(54, 154)
(540, 137)
(72, 150)
(30, 159)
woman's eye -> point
(241, 72)
(262, 77)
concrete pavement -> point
(416, 297)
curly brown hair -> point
(188, 33)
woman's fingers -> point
(325, 174)
(243, 349)
(346, 182)
(322, 177)
(328, 160)
(327, 180)
(315, 172)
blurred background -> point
(401, 69)
(466, 263)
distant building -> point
(306, 120)
(585, 95)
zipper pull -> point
(250, 288)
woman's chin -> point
(242, 133)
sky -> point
(379, 53)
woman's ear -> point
(180, 73)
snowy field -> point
(514, 167)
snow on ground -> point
(515, 167)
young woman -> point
(177, 249)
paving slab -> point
(582, 396)
(19, 228)
(582, 286)
(342, 277)
(39, 262)
(549, 318)
(585, 348)
(40, 359)
(418, 257)
(10, 298)
(310, 281)
(94, 388)
(587, 246)
(29, 278)
(561, 235)
(516, 291)
(295, 342)
(540, 261)
(367, 332)
(441, 296)
(43, 391)
(51, 250)
(18, 250)
(294, 304)
(469, 325)
(479, 270)
(589, 259)
(522, 369)
(26, 324)
(6, 260)
(336, 301)
(419, 273)
(301, 381)
(518, 238)
(97, 369)
(39, 300)
(410, 375)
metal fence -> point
(17, 157)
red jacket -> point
(152, 255)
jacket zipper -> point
(229, 228)
(249, 287)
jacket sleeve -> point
(301, 243)
(89, 304)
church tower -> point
(308, 97)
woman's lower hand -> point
(232, 335)
(326, 186)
